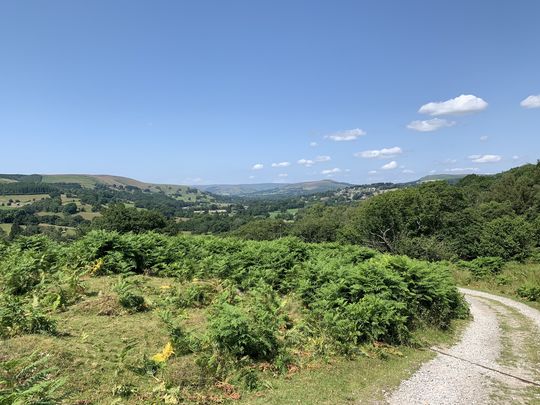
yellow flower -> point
(97, 266)
(164, 355)
(165, 287)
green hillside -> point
(274, 189)
(448, 177)
(90, 181)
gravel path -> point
(449, 380)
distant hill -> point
(92, 180)
(451, 178)
(273, 189)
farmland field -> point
(22, 198)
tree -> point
(120, 218)
(70, 208)
(15, 231)
(263, 229)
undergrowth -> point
(232, 310)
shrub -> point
(482, 267)
(246, 325)
(26, 262)
(196, 294)
(530, 292)
(128, 297)
(19, 317)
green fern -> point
(29, 380)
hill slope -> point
(90, 181)
(274, 189)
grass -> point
(6, 227)
(21, 198)
(94, 332)
(84, 180)
(513, 276)
(291, 211)
(89, 215)
(88, 347)
(361, 380)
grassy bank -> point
(367, 379)
(515, 280)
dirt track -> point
(495, 361)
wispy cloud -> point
(408, 171)
(484, 138)
(313, 144)
(311, 162)
(430, 125)
(466, 103)
(257, 166)
(306, 162)
(348, 135)
(281, 164)
(380, 153)
(485, 158)
(283, 175)
(323, 158)
(331, 171)
(531, 102)
(390, 165)
(463, 169)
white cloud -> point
(331, 171)
(430, 125)
(485, 158)
(372, 172)
(463, 169)
(306, 162)
(348, 135)
(196, 180)
(466, 103)
(281, 164)
(515, 157)
(380, 153)
(282, 175)
(313, 144)
(389, 166)
(257, 166)
(310, 162)
(449, 161)
(323, 158)
(408, 171)
(531, 102)
(484, 138)
(251, 177)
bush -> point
(507, 237)
(246, 325)
(26, 262)
(128, 297)
(19, 317)
(484, 266)
(530, 292)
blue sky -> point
(202, 91)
